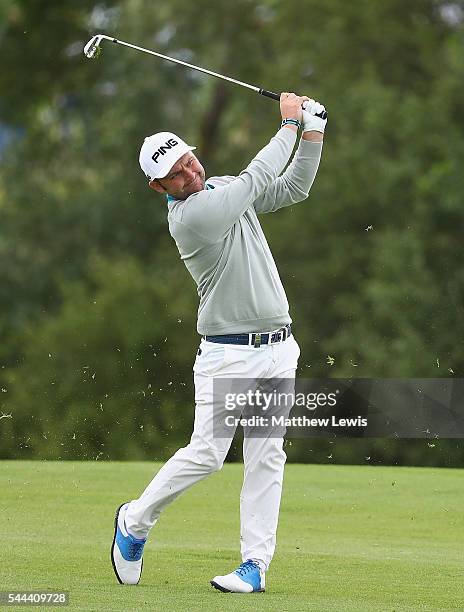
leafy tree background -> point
(97, 326)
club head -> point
(92, 48)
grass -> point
(350, 538)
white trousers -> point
(264, 458)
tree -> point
(371, 262)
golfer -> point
(244, 322)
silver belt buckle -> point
(257, 342)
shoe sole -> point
(114, 543)
(224, 590)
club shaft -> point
(259, 90)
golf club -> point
(92, 50)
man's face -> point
(187, 176)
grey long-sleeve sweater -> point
(221, 242)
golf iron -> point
(92, 50)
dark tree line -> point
(97, 326)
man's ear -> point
(154, 184)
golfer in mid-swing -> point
(244, 322)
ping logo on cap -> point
(162, 150)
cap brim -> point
(184, 151)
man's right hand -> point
(291, 106)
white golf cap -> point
(160, 152)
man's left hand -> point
(314, 116)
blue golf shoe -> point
(126, 551)
(247, 578)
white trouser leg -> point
(264, 462)
(202, 456)
(186, 467)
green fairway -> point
(350, 538)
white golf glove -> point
(314, 116)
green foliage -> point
(371, 262)
(102, 377)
